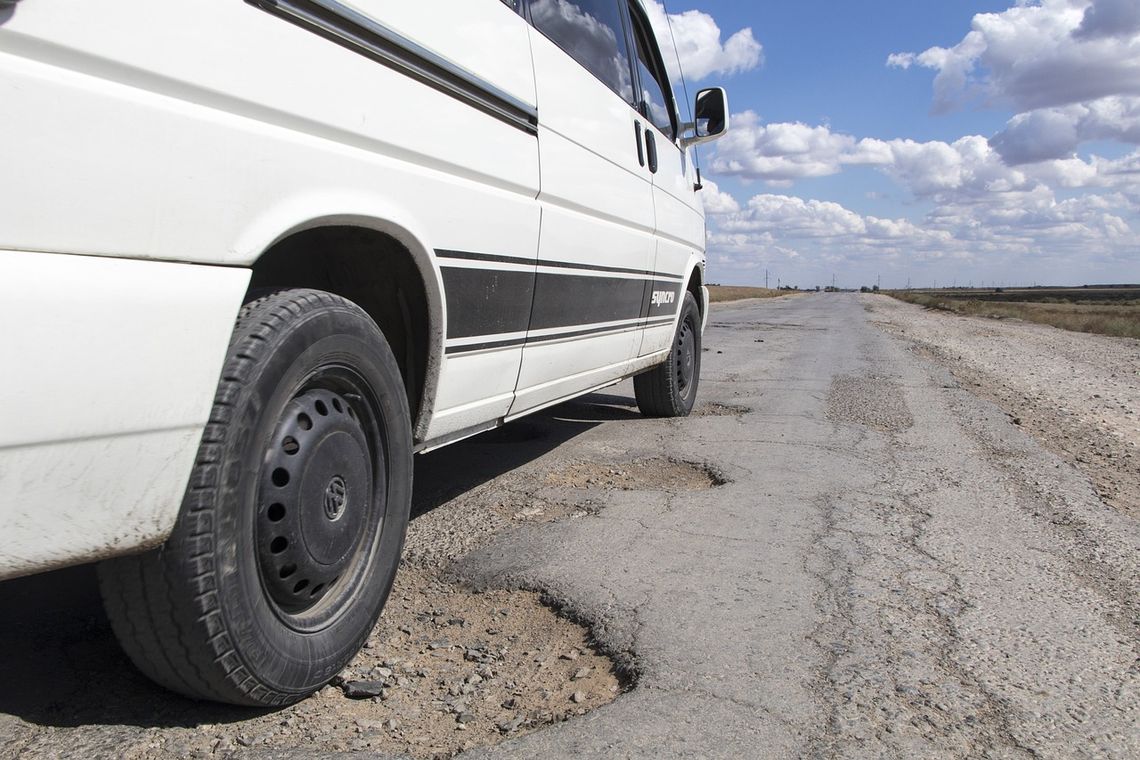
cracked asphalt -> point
(843, 553)
(893, 569)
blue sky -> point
(926, 141)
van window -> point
(591, 31)
(655, 102)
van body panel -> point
(154, 155)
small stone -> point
(511, 725)
(571, 655)
(582, 673)
(474, 678)
(465, 717)
(363, 689)
(578, 697)
(244, 741)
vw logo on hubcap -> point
(336, 498)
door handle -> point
(637, 136)
(651, 150)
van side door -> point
(679, 228)
(596, 247)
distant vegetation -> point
(736, 292)
(1105, 310)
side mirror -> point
(711, 114)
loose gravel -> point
(1078, 394)
(447, 668)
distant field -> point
(1103, 310)
(736, 292)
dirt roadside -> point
(1078, 394)
(446, 669)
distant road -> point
(896, 569)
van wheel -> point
(670, 389)
(294, 518)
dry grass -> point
(1121, 319)
(719, 293)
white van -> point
(427, 219)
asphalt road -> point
(890, 568)
(894, 569)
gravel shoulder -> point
(1077, 394)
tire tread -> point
(175, 633)
(656, 390)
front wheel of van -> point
(293, 521)
(670, 389)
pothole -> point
(446, 670)
(659, 474)
(716, 409)
(875, 402)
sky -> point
(929, 142)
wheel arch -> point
(386, 270)
(696, 285)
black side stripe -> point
(487, 301)
(494, 257)
(554, 337)
(496, 301)
(364, 35)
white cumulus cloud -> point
(1052, 133)
(1039, 55)
(787, 151)
(699, 45)
(715, 200)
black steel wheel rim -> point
(686, 357)
(322, 498)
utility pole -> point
(765, 278)
(908, 283)
(878, 282)
(833, 281)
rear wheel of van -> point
(291, 529)
(670, 389)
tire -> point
(291, 529)
(670, 389)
